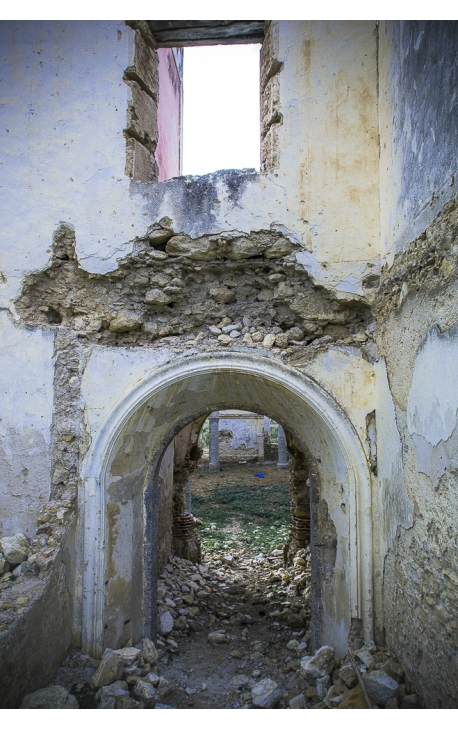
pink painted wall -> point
(168, 151)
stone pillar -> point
(299, 482)
(187, 492)
(214, 441)
(282, 455)
(260, 436)
(267, 430)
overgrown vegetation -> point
(236, 514)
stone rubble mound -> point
(228, 640)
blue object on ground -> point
(259, 474)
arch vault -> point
(119, 494)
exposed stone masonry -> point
(299, 536)
(141, 130)
(172, 285)
(430, 263)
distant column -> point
(282, 455)
(267, 430)
(188, 496)
(260, 435)
(214, 441)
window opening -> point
(221, 108)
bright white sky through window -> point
(221, 108)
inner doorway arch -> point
(121, 467)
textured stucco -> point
(99, 372)
(26, 382)
(418, 126)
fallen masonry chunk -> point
(15, 549)
(298, 702)
(380, 686)
(54, 697)
(265, 694)
(349, 676)
(366, 658)
(217, 637)
(109, 670)
(393, 669)
(319, 665)
(355, 700)
(129, 654)
(165, 623)
(240, 681)
(107, 695)
(322, 685)
(164, 687)
(145, 691)
(152, 679)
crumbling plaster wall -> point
(239, 436)
(140, 272)
(185, 397)
(25, 426)
(417, 318)
(418, 126)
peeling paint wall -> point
(418, 126)
(169, 113)
(417, 318)
(241, 436)
(25, 426)
(112, 281)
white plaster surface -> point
(63, 110)
(26, 386)
(344, 373)
(344, 277)
(110, 374)
(244, 431)
(433, 397)
(394, 506)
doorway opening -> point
(234, 597)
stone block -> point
(109, 670)
(265, 694)
(142, 114)
(140, 163)
(380, 686)
(15, 549)
(198, 249)
(319, 665)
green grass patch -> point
(260, 515)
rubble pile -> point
(25, 563)
(234, 632)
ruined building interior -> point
(320, 292)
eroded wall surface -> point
(240, 436)
(416, 312)
(27, 375)
(108, 276)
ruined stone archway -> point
(123, 462)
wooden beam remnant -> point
(170, 33)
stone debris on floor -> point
(234, 632)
